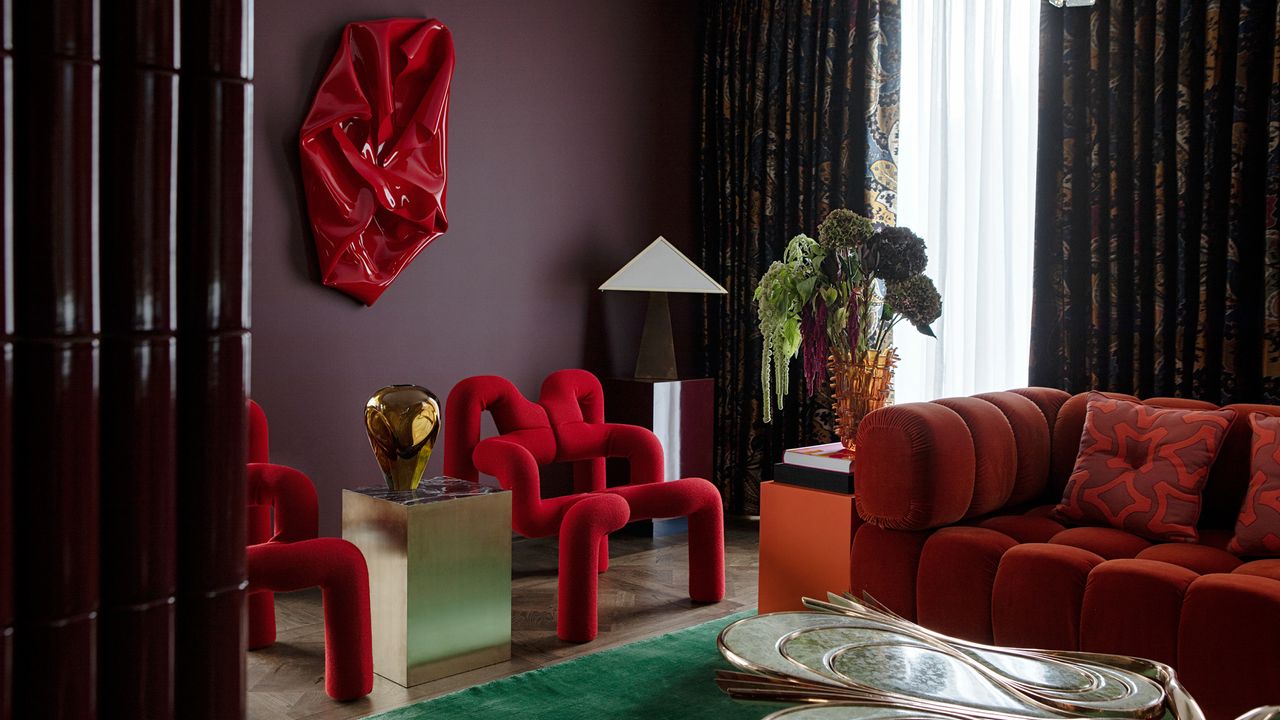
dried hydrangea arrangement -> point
(839, 294)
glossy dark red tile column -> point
(55, 469)
(6, 365)
(139, 320)
(216, 101)
(92, 302)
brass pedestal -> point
(439, 576)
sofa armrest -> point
(914, 468)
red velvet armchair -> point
(285, 554)
(567, 425)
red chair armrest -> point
(572, 396)
(511, 412)
(307, 563)
(290, 493)
(578, 441)
(517, 470)
(640, 447)
(511, 463)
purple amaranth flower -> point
(814, 345)
(855, 319)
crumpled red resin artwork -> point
(373, 152)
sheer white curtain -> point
(966, 184)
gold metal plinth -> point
(439, 579)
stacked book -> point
(822, 467)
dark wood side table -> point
(682, 414)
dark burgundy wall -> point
(571, 146)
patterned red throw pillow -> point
(1141, 469)
(1258, 527)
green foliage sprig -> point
(787, 286)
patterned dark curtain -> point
(1157, 251)
(799, 116)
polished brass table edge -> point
(436, 670)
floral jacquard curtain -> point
(1157, 250)
(799, 115)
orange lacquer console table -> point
(805, 537)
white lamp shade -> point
(662, 268)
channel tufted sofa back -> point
(956, 530)
(974, 440)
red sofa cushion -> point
(1229, 480)
(1031, 435)
(1049, 400)
(1112, 622)
(1258, 526)
(1142, 468)
(1227, 639)
(1269, 568)
(1024, 528)
(1037, 596)
(915, 444)
(994, 449)
(954, 580)
(1018, 577)
(1202, 559)
(1065, 443)
(1108, 543)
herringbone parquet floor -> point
(643, 594)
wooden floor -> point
(644, 593)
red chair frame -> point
(285, 554)
(567, 425)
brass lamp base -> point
(657, 358)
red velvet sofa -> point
(955, 531)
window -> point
(966, 184)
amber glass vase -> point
(858, 388)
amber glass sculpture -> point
(403, 422)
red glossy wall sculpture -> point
(373, 152)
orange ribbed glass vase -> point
(858, 388)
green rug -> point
(669, 676)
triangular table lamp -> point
(660, 269)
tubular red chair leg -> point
(602, 563)
(262, 619)
(262, 606)
(706, 549)
(348, 639)
(699, 501)
(339, 569)
(589, 520)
